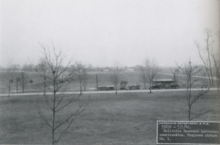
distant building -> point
(105, 70)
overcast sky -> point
(101, 32)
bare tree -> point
(189, 74)
(10, 81)
(205, 55)
(143, 77)
(97, 81)
(174, 73)
(114, 78)
(24, 80)
(10, 72)
(217, 69)
(12, 76)
(151, 71)
(85, 79)
(80, 72)
(43, 68)
(216, 60)
(17, 82)
(58, 80)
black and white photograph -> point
(110, 72)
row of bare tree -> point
(20, 79)
(77, 73)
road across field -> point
(109, 92)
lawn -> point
(103, 79)
(126, 118)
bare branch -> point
(56, 78)
(190, 71)
(80, 109)
(42, 115)
(73, 99)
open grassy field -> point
(103, 79)
(123, 119)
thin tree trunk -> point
(209, 61)
(22, 81)
(54, 101)
(9, 89)
(97, 85)
(80, 87)
(145, 85)
(53, 131)
(116, 89)
(16, 85)
(189, 113)
(44, 85)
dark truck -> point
(106, 88)
(156, 86)
(174, 86)
(134, 87)
(123, 86)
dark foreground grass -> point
(127, 118)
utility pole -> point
(17, 80)
(44, 77)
